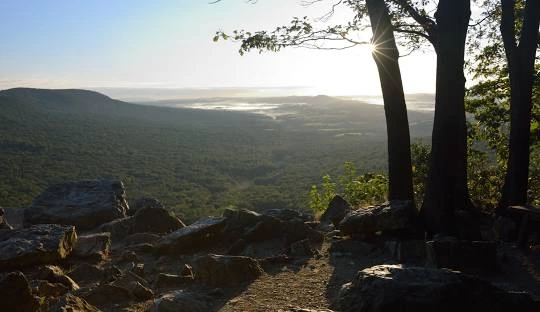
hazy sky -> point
(159, 43)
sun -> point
(373, 48)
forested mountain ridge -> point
(196, 161)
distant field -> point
(264, 154)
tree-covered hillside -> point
(195, 161)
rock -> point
(94, 247)
(265, 249)
(39, 244)
(337, 209)
(128, 256)
(4, 225)
(239, 220)
(141, 238)
(407, 251)
(119, 228)
(505, 229)
(138, 269)
(288, 215)
(84, 204)
(87, 273)
(187, 270)
(71, 303)
(125, 287)
(15, 293)
(181, 300)
(351, 248)
(218, 270)
(172, 281)
(15, 216)
(198, 235)
(301, 248)
(390, 216)
(466, 256)
(143, 203)
(46, 289)
(55, 274)
(102, 294)
(155, 220)
(393, 288)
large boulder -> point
(155, 220)
(198, 235)
(85, 204)
(391, 216)
(94, 247)
(15, 293)
(337, 209)
(143, 203)
(219, 270)
(39, 244)
(393, 288)
(285, 214)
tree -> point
(446, 191)
(521, 58)
(386, 56)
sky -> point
(168, 44)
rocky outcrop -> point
(73, 303)
(94, 247)
(15, 293)
(155, 220)
(393, 288)
(55, 274)
(84, 204)
(219, 270)
(390, 216)
(337, 209)
(197, 235)
(184, 301)
(143, 203)
(39, 244)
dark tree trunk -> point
(520, 60)
(386, 57)
(447, 191)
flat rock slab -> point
(219, 270)
(337, 209)
(197, 235)
(70, 302)
(181, 300)
(390, 216)
(396, 288)
(39, 244)
(84, 204)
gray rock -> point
(351, 248)
(337, 209)
(390, 216)
(43, 288)
(393, 288)
(4, 225)
(155, 220)
(39, 244)
(407, 251)
(288, 215)
(73, 303)
(119, 228)
(466, 256)
(301, 248)
(172, 280)
(55, 274)
(198, 235)
(87, 273)
(15, 293)
(143, 203)
(219, 270)
(181, 300)
(94, 247)
(85, 204)
(15, 216)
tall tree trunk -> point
(520, 60)
(386, 57)
(447, 191)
